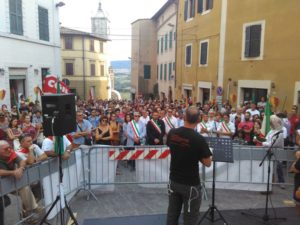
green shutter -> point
(170, 70)
(247, 42)
(161, 68)
(162, 45)
(185, 9)
(255, 37)
(193, 8)
(165, 72)
(16, 17)
(43, 24)
(166, 41)
(170, 39)
(200, 6)
(157, 47)
(203, 57)
(147, 72)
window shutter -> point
(147, 72)
(193, 8)
(255, 37)
(188, 52)
(160, 74)
(203, 57)
(93, 70)
(166, 41)
(200, 6)
(165, 71)
(210, 4)
(170, 70)
(158, 47)
(13, 16)
(185, 10)
(19, 17)
(170, 39)
(247, 42)
(161, 45)
(43, 24)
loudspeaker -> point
(59, 108)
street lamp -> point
(60, 4)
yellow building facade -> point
(252, 50)
(84, 64)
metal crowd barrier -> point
(46, 173)
(99, 167)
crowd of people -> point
(129, 123)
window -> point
(188, 55)
(102, 70)
(170, 39)
(161, 71)
(252, 41)
(92, 47)
(189, 9)
(165, 71)
(69, 69)
(157, 72)
(44, 73)
(166, 41)
(170, 70)
(203, 53)
(68, 42)
(161, 44)
(157, 47)
(93, 69)
(205, 5)
(147, 72)
(43, 24)
(16, 17)
(101, 47)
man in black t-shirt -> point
(187, 148)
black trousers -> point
(187, 196)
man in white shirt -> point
(48, 147)
(145, 117)
(204, 127)
(226, 129)
(29, 151)
(170, 121)
(253, 111)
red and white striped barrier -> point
(138, 154)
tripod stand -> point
(60, 195)
(210, 213)
(268, 156)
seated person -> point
(48, 147)
(11, 164)
(29, 151)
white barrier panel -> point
(102, 171)
(72, 178)
(240, 175)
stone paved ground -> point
(132, 199)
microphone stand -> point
(268, 156)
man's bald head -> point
(3, 143)
(192, 115)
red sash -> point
(24, 150)
(12, 157)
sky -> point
(77, 14)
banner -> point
(50, 85)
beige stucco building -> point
(84, 64)
(249, 48)
(143, 55)
(165, 20)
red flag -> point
(50, 85)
